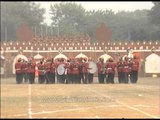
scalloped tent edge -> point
(105, 57)
(38, 56)
(60, 56)
(81, 55)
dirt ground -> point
(141, 100)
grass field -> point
(141, 100)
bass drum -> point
(61, 69)
(93, 67)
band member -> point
(19, 71)
(101, 70)
(90, 75)
(85, 71)
(120, 70)
(71, 71)
(41, 71)
(125, 70)
(56, 63)
(24, 69)
(134, 70)
(75, 72)
(68, 74)
(31, 71)
(81, 76)
(106, 75)
(130, 62)
(61, 78)
(110, 70)
(52, 72)
(47, 69)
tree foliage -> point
(73, 19)
(15, 13)
(69, 18)
(154, 13)
(154, 17)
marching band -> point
(77, 70)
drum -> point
(61, 69)
(93, 67)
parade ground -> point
(141, 100)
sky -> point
(95, 5)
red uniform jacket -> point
(120, 66)
(130, 63)
(85, 67)
(24, 67)
(110, 67)
(80, 67)
(126, 67)
(75, 70)
(19, 67)
(53, 68)
(100, 66)
(31, 67)
(135, 65)
(47, 67)
(68, 65)
(40, 68)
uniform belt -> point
(18, 69)
(109, 68)
(125, 66)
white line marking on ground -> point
(128, 106)
(66, 110)
(21, 115)
(55, 111)
(29, 101)
(97, 116)
(141, 105)
(30, 113)
(114, 105)
(75, 109)
(146, 87)
(136, 109)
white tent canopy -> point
(60, 56)
(38, 56)
(105, 57)
(81, 55)
(2, 57)
(16, 58)
(152, 64)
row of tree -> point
(72, 19)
